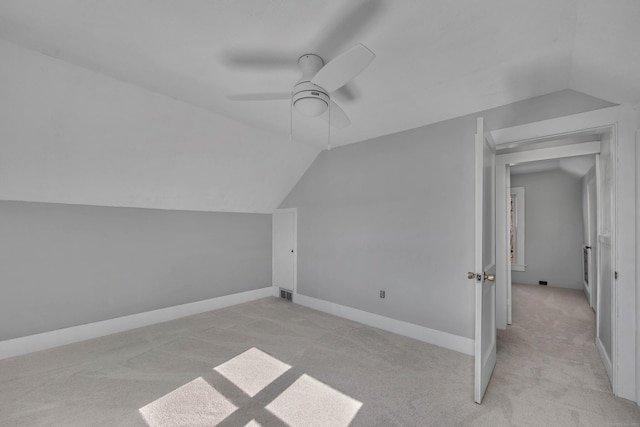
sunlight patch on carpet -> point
(252, 370)
(305, 402)
(308, 402)
(195, 403)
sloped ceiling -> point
(68, 135)
(435, 61)
(577, 166)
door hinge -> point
(615, 275)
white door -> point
(590, 246)
(507, 172)
(485, 289)
(284, 249)
(605, 313)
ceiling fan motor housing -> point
(309, 99)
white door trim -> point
(637, 168)
(582, 123)
(503, 163)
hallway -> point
(548, 366)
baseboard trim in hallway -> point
(606, 361)
(46, 340)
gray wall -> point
(553, 229)
(396, 213)
(66, 265)
(392, 213)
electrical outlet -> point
(542, 282)
(382, 294)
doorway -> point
(548, 243)
(619, 123)
(284, 251)
(580, 144)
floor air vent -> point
(285, 294)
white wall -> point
(553, 229)
(70, 135)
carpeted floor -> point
(273, 363)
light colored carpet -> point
(273, 363)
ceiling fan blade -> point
(346, 26)
(260, 96)
(339, 118)
(348, 92)
(343, 68)
(259, 60)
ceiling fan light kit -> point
(311, 103)
(309, 99)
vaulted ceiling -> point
(435, 60)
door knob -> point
(471, 275)
(489, 277)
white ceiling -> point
(124, 102)
(435, 60)
(577, 166)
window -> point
(516, 228)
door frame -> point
(637, 195)
(276, 289)
(503, 165)
(622, 122)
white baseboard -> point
(606, 361)
(421, 333)
(45, 340)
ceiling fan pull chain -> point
(291, 121)
(329, 129)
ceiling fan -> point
(311, 93)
